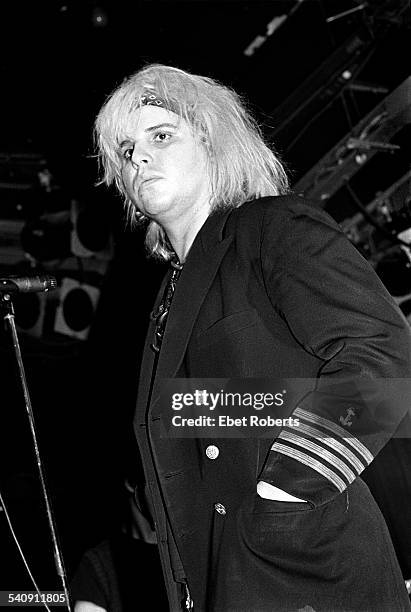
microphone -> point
(27, 284)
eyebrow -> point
(160, 125)
(148, 130)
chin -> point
(152, 205)
(153, 211)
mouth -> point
(149, 180)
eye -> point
(161, 137)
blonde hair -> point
(243, 166)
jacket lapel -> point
(196, 278)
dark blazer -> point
(274, 289)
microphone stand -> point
(7, 305)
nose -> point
(140, 157)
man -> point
(261, 286)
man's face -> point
(164, 169)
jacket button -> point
(220, 508)
(212, 451)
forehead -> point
(147, 117)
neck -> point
(182, 234)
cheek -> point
(200, 175)
(126, 176)
(197, 168)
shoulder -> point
(279, 214)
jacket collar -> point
(212, 232)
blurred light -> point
(99, 17)
(361, 158)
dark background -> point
(58, 62)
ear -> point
(206, 143)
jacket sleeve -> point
(338, 310)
